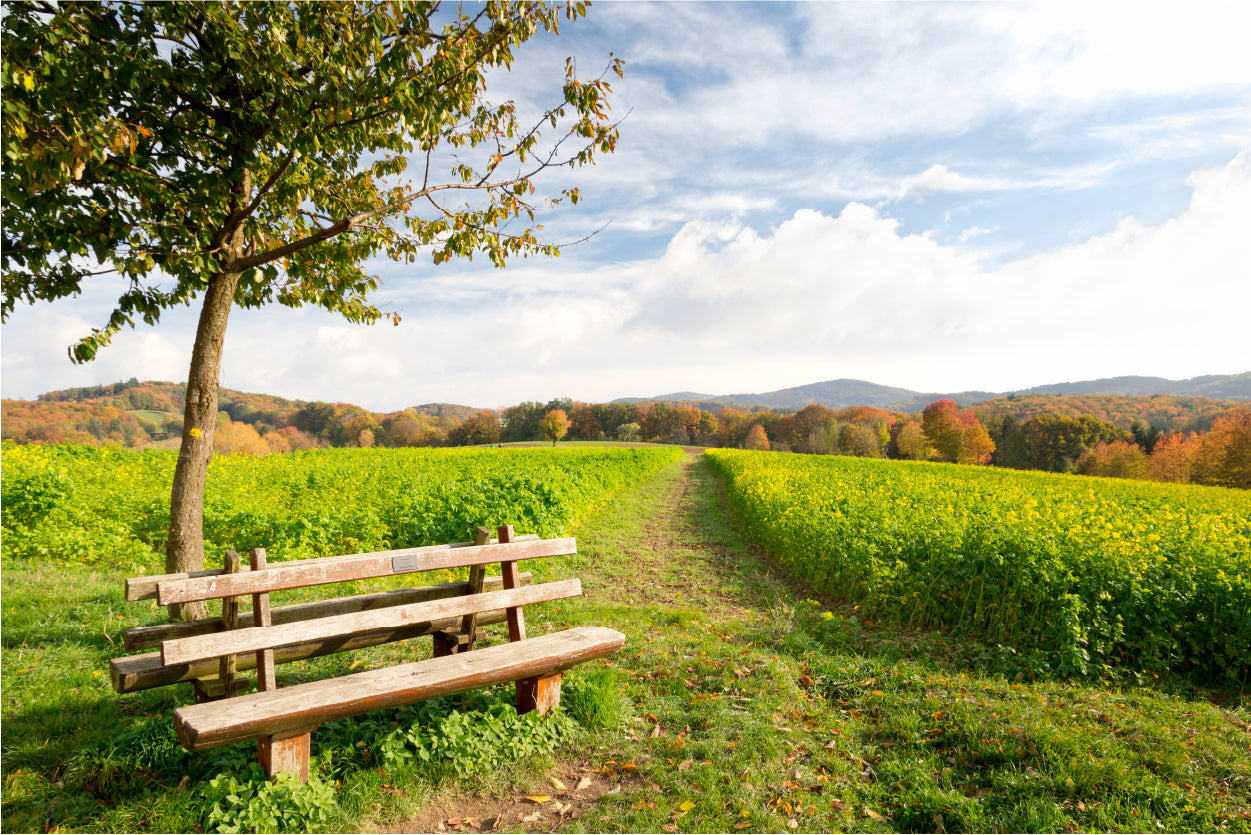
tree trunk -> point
(184, 548)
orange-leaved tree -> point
(554, 425)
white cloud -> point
(938, 179)
(35, 358)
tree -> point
(1056, 442)
(1173, 457)
(1224, 457)
(1119, 459)
(957, 435)
(555, 424)
(250, 153)
(756, 438)
(912, 444)
(482, 428)
(942, 427)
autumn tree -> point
(911, 443)
(482, 428)
(1224, 456)
(756, 438)
(1173, 457)
(554, 425)
(957, 435)
(1119, 459)
(249, 153)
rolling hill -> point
(839, 394)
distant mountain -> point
(1217, 387)
(839, 394)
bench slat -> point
(182, 650)
(133, 673)
(144, 588)
(148, 637)
(304, 706)
(356, 567)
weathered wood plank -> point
(296, 709)
(265, 677)
(230, 621)
(477, 573)
(279, 754)
(133, 673)
(149, 637)
(356, 567)
(144, 588)
(540, 694)
(512, 579)
(181, 650)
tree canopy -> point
(285, 143)
(250, 153)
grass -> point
(736, 704)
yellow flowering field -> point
(1072, 573)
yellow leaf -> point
(557, 785)
(537, 798)
(687, 806)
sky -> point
(934, 196)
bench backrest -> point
(192, 650)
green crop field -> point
(1077, 574)
(108, 506)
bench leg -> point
(284, 754)
(541, 693)
(450, 642)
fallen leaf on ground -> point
(557, 785)
(583, 783)
(537, 798)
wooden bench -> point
(213, 652)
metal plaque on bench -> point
(407, 562)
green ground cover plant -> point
(1063, 574)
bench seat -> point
(289, 711)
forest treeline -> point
(1162, 437)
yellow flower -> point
(195, 433)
